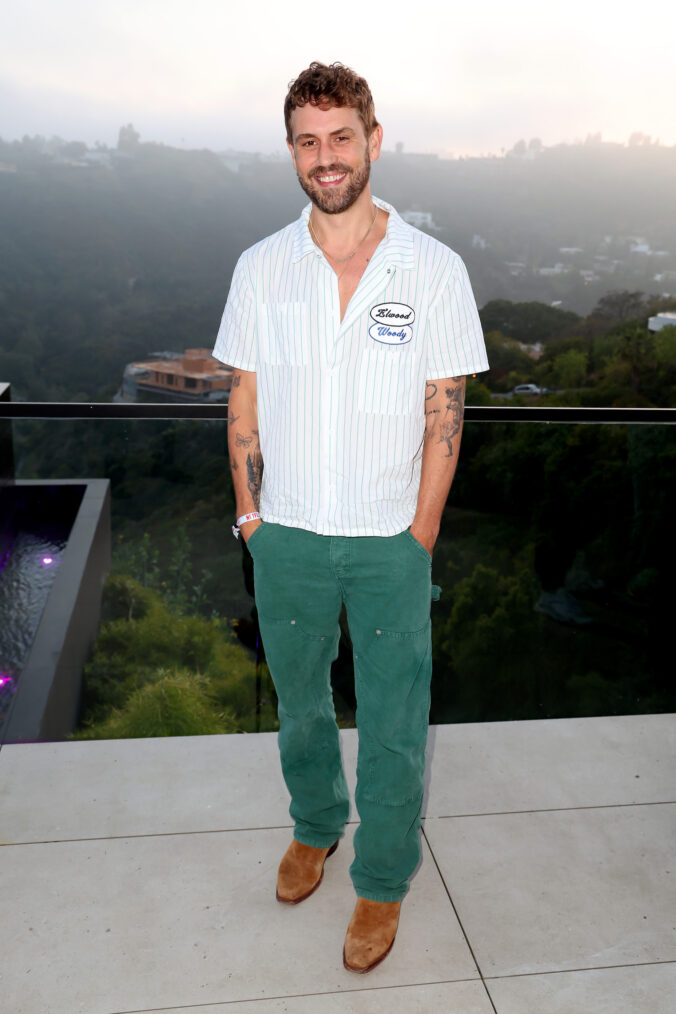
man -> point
(350, 334)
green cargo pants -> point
(301, 581)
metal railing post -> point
(6, 437)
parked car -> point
(528, 389)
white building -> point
(666, 319)
(419, 219)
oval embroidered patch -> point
(393, 313)
(391, 335)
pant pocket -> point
(255, 536)
(300, 663)
(418, 546)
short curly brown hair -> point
(331, 85)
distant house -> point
(516, 268)
(193, 376)
(558, 269)
(236, 161)
(535, 351)
(667, 319)
(419, 219)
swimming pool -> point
(27, 571)
(54, 553)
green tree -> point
(477, 393)
(527, 322)
(176, 703)
(635, 349)
(665, 347)
(509, 364)
(620, 305)
(570, 368)
(128, 137)
(144, 638)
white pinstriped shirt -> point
(341, 411)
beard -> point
(333, 202)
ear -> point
(292, 153)
(375, 143)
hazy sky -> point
(456, 78)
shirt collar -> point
(397, 246)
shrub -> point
(175, 704)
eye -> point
(307, 144)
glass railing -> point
(555, 559)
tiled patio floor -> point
(138, 876)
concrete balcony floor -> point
(139, 875)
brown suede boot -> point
(370, 934)
(301, 871)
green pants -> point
(302, 580)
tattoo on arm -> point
(236, 378)
(447, 431)
(254, 472)
(430, 390)
(450, 427)
(232, 419)
(456, 399)
(431, 422)
(241, 441)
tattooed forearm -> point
(246, 458)
(431, 421)
(254, 472)
(455, 404)
(448, 430)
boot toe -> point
(371, 934)
(301, 871)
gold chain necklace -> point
(339, 260)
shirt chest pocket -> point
(285, 334)
(388, 382)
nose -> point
(324, 152)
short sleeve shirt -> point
(341, 414)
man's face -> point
(332, 155)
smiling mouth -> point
(330, 179)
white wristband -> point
(253, 516)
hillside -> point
(109, 254)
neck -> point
(346, 228)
